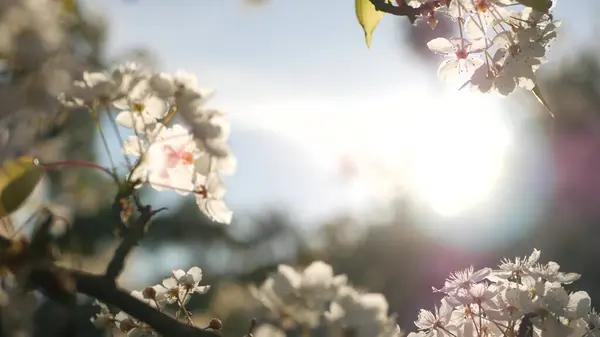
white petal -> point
(503, 39)
(181, 179)
(317, 272)
(158, 181)
(93, 79)
(474, 29)
(125, 119)
(442, 46)
(201, 289)
(169, 283)
(155, 107)
(448, 69)
(196, 274)
(131, 146)
(579, 304)
(178, 274)
(469, 65)
(215, 210)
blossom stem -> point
(118, 133)
(94, 114)
(184, 310)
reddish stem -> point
(76, 163)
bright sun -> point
(445, 149)
(448, 153)
(460, 158)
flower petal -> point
(442, 46)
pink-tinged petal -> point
(157, 181)
(181, 179)
(442, 46)
(478, 46)
(448, 69)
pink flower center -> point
(462, 54)
(177, 156)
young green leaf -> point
(18, 178)
(368, 17)
(538, 94)
(538, 5)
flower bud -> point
(149, 293)
(215, 324)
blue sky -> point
(301, 88)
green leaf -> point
(18, 178)
(368, 17)
(538, 94)
(538, 5)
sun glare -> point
(459, 158)
(448, 153)
(446, 150)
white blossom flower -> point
(362, 314)
(190, 280)
(140, 110)
(551, 272)
(168, 161)
(521, 268)
(303, 297)
(210, 192)
(437, 323)
(459, 51)
(464, 279)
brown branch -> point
(132, 236)
(106, 291)
(60, 284)
(402, 9)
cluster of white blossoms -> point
(169, 156)
(523, 298)
(316, 296)
(500, 43)
(175, 290)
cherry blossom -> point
(460, 61)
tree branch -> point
(60, 284)
(132, 237)
(106, 291)
(402, 9)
